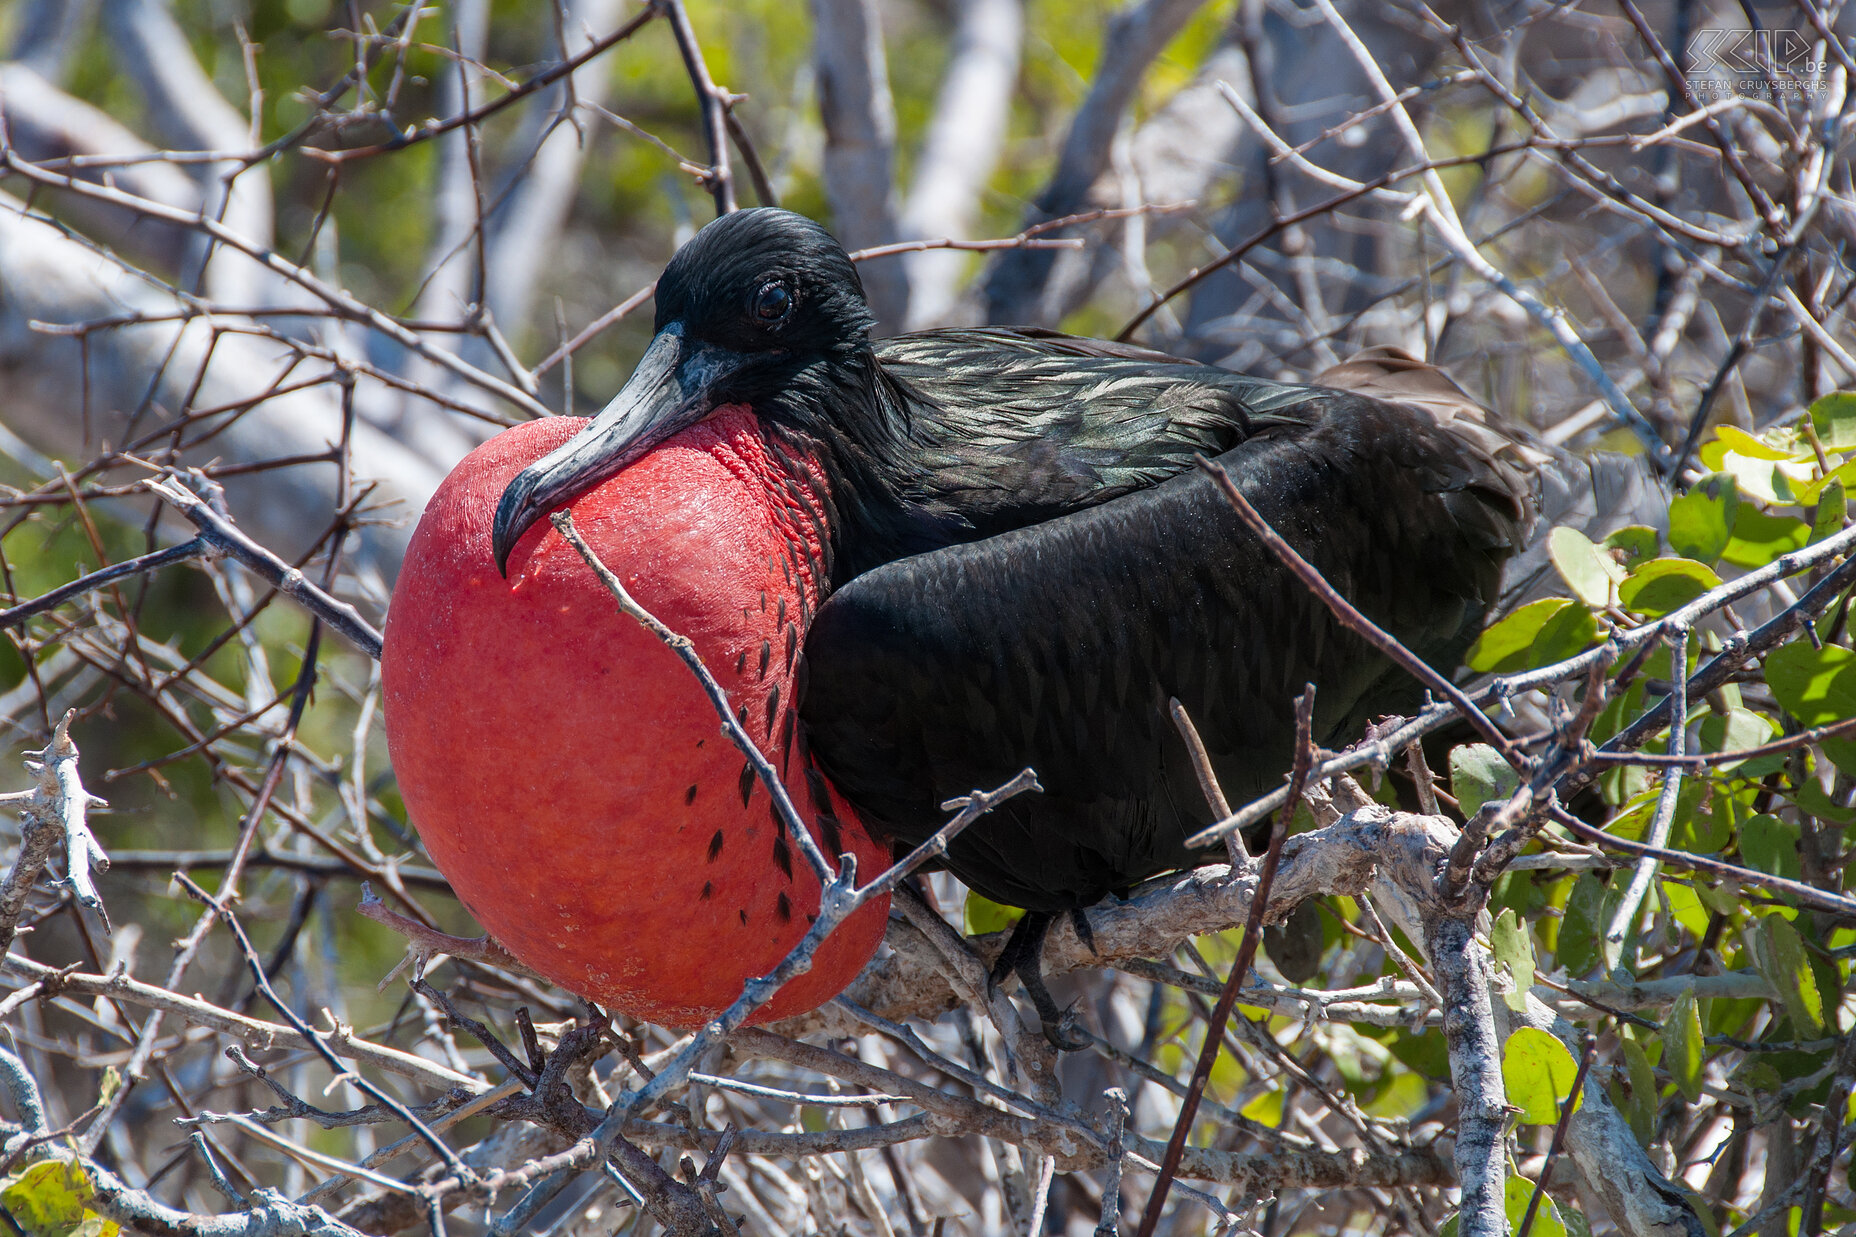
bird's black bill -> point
(677, 383)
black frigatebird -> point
(1023, 565)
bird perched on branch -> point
(970, 551)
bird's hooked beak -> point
(675, 385)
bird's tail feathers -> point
(1596, 494)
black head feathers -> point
(765, 279)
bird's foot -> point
(1059, 1025)
(1023, 956)
(1027, 938)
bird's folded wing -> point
(1058, 645)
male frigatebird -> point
(998, 553)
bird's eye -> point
(772, 302)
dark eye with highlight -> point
(773, 302)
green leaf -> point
(1621, 708)
(983, 915)
(1810, 492)
(1756, 476)
(1579, 925)
(1266, 1107)
(1727, 1015)
(1842, 753)
(1634, 542)
(1358, 1059)
(1538, 634)
(1833, 508)
(48, 1199)
(1779, 951)
(1398, 1093)
(1538, 1073)
(1691, 829)
(1772, 474)
(1736, 731)
(1703, 832)
(1738, 440)
(1817, 686)
(1833, 416)
(1423, 1052)
(1515, 1195)
(1701, 522)
(1758, 1076)
(1770, 845)
(1665, 584)
(1812, 801)
(1686, 905)
(1720, 899)
(1587, 570)
(1682, 1046)
(1479, 774)
(1759, 538)
(1514, 952)
(1641, 1110)
(1569, 631)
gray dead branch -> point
(1019, 289)
(1393, 857)
(960, 150)
(860, 144)
(153, 366)
(44, 124)
(530, 212)
(53, 814)
(183, 110)
(45, 31)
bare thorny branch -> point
(1730, 206)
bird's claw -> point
(1059, 1024)
(1000, 972)
(1065, 1033)
(1023, 956)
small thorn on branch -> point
(54, 811)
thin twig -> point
(685, 651)
(1208, 777)
(541, 81)
(1379, 752)
(1625, 917)
(1805, 895)
(713, 100)
(226, 536)
(1110, 1224)
(1246, 952)
(153, 561)
(1586, 1059)
(263, 982)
